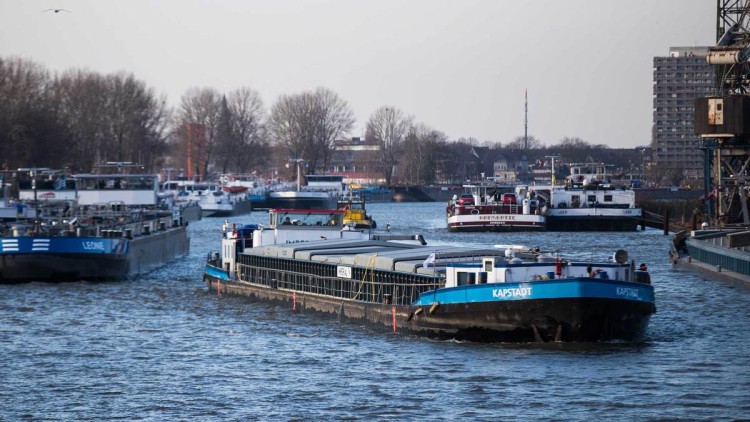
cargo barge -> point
(111, 228)
(493, 294)
(588, 201)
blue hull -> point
(576, 309)
(562, 288)
(52, 259)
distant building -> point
(503, 173)
(357, 160)
(679, 79)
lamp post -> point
(298, 162)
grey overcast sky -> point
(459, 66)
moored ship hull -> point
(61, 267)
(495, 222)
(300, 200)
(592, 223)
(24, 259)
(228, 210)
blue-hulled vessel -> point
(107, 226)
(493, 294)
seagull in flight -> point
(57, 10)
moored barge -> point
(589, 202)
(491, 207)
(110, 228)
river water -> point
(160, 347)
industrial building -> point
(679, 79)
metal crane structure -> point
(723, 120)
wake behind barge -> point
(444, 292)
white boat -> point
(487, 206)
(213, 200)
(252, 186)
(589, 202)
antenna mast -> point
(526, 120)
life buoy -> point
(475, 211)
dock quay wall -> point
(715, 253)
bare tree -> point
(289, 125)
(246, 108)
(333, 119)
(492, 144)
(84, 97)
(114, 117)
(23, 92)
(226, 141)
(136, 120)
(388, 127)
(421, 153)
(306, 124)
(572, 143)
(519, 143)
(199, 116)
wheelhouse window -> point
(462, 278)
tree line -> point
(78, 118)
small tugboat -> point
(496, 294)
(490, 207)
(355, 213)
(113, 228)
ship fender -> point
(415, 313)
(434, 307)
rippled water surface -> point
(161, 347)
